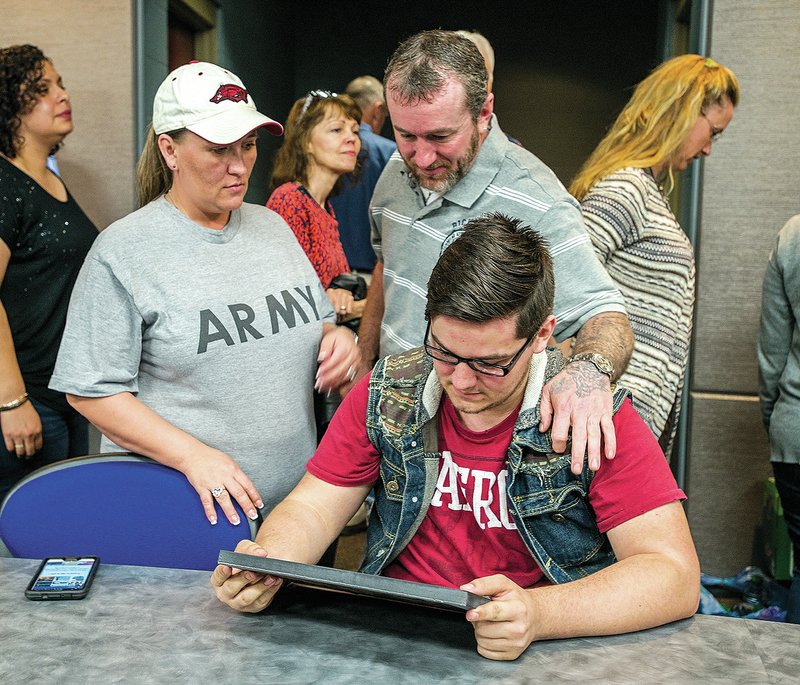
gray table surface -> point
(146, 625)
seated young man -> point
(468, 491)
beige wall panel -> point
(91, 45)
(725, 477)
(751, 186)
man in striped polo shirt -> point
(454, 164)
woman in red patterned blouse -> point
(320, 146)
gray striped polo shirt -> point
(408, 236)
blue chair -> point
(124, 508)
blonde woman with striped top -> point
(673, 117)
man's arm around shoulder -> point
(655, 580)
(580, 396)
(609, 334)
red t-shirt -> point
(468, 531)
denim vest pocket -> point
(393, 480)
(380, 543)
(555, 511)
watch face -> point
(603, 364)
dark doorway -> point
(563, 70)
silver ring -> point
(351, 373)
(217, 492)
(342, 308)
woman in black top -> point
(44, 237)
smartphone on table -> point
(63, 578)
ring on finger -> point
(217, 492)
(342, 308)
(351, 373)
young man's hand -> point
(503, 627)
(245, 590)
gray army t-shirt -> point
(217, 331)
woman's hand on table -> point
(338, 358)
(219, 479)
(22, 430)
(245, 590)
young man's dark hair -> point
(498, 268)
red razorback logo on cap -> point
(230, 92)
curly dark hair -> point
(21, 70)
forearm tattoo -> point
(608, 334)
(583, 376)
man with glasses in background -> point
(469, 492)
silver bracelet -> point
(22, 399)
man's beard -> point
(454, 174)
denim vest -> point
(548, 503)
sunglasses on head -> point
(315, 95)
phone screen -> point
(69, 577)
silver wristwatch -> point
(600, 362)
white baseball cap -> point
(209, 101)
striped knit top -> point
(651, 261)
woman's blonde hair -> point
(153, 176)
(291, 162)
(658, 118)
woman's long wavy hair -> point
(21, 72)
(658, 118)
(291, 162)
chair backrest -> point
(124, 508)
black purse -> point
(352, 282)
(357, 286)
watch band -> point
(601, 363)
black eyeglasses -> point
(479, 365)
(316, 95)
